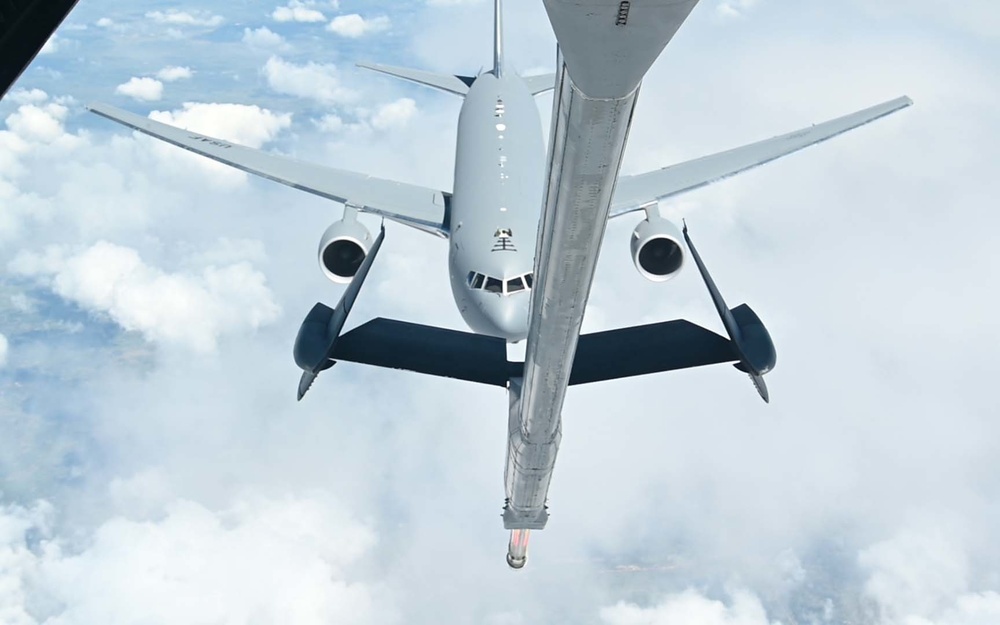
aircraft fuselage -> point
(499, 178)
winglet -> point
(318, 334)
(750, 338)
(305, 383)
(540, 84)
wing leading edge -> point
(633, 192)
(419, 207)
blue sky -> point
(154, 466)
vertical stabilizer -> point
(498, 38)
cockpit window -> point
(493, 285)
(528, 278)
(478, 281)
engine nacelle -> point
(657, 250)
(342, 249)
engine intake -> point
(657, 250)
(342, 249)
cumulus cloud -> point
(27, 96)
(248, 125)
(296, 11)
(33, 131)
(176, 17)
(260, 560)
(189, 309)
(355, 26)
(4, 349)
(691, 607)
(143, 89)
(262, 37)
(173, 73)
(316, 81)
(35, 123)
(395, 114)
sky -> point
(156, 468)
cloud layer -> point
(153, 447)
(190, 310)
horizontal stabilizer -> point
(540, 84)
(610, 355)
(459, 85)
(640, 350)
(426, 349)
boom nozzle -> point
(517, 550)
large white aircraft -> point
(524, 227)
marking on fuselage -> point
(504, 240)
(623, 9)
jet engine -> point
(656, 249)
(343, 246)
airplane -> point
(523, 226)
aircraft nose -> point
(508, 315)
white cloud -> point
(281, 560)
(690, 607)
(296, 11)
(189, 309)
(38, 123)
(262, 37)
(735, 8)
(4, 350)
(248, 125)
(173, 73)
(186, 18)
(105, 22)
(143, 89)
(355, 26)
(320, 82)
(330, 123)
(51, 46)
(27, 96)
(395, 114)
(923, 576)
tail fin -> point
(459, 85)
(498, 38)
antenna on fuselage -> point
(498, 38)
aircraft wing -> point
(633, 192)
(411, 205)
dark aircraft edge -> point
(25, 26)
